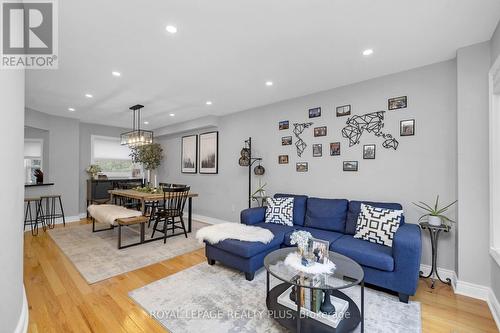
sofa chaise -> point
(334, 220)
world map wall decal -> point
(298, 129)
(370, 122)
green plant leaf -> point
(424, 206)
(444, 209)
(437, 202)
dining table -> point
(144, 197)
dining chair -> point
(151, 206)
(174, 200)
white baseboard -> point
(472, 290)
(443, 273)
(208, 219)
(494, 307)
(22, 324)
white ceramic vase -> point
(435, 221)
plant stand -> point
(434, 232)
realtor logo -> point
(29, 34)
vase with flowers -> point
(93, 170)
(301, 239)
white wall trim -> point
(22, 324)
(494, 307)
(208, 219)
(472, 290)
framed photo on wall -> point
(283, 159)
(301, 167)
(209, 153)
(315, 112)
(284, 125)
(344, 110)
(320, 131)
(317, 150)
(395, 103)
(350, 165)
(189, 154)
(369, 152)
(407, 127)
(335, 149)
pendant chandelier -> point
(137, 136)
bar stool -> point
(48, 212)
(28, 215)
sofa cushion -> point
(355, 208)
(279, 211)
(249, 249)
(378, 225)
(299, 206)
(326, 214)
(330, 236)
(365, 253)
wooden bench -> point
(142, 220)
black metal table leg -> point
(299, 301)
(190, 213)
(362, 306)
(434, 232)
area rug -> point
(212, 299)
(96, 256)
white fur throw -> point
(219, 232)
(109, 213)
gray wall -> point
(63, 157)
(36, 133)
(423, 166)
(473, 64)
(495, 44)
(11, 202)
(86, 131)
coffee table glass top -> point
(346, 274)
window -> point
(494, 121)
(111, 156)
(33, 152)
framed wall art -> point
(301, 167)
(350, 165)
(283, 159)
(315, 112)
(369, 152)
(407, 127)
(320, 131)
(286, 141)
(335, 149)
(317, 150)
(395, 103)
(284, 125)
(209, 153)
(344, 110)
(189, 154)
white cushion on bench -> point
(110, 213)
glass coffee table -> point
(347, 274)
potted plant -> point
(93, 170)
(434, 214)
(149, 156)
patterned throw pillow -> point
(378, 225)
(280, 211)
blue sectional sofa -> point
(395, 268)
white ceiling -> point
(225, 51)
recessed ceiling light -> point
(269, 83)
(88, 95)
(116, 74)
(172, 29)
(71, 109)
(367, 52)
(146, 123)
(172, 115)
(208, 103)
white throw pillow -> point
(378, 225)
(280, 211)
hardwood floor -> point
(60, 300)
